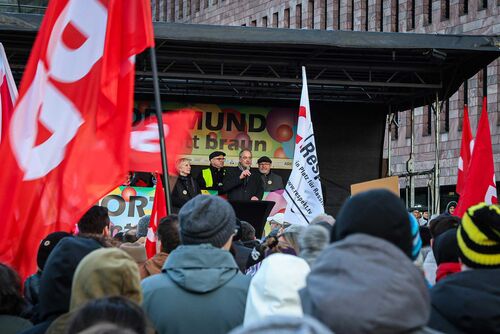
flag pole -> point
(159, 119)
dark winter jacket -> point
(200, 290)
(467, 302)
(271, 182)
(215, 177)
(185, 188)
(237, 189)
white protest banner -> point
(303, 189)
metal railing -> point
(26, 6)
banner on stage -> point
(267, 131)
(126, 205)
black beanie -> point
(378, 213)
(47, 245)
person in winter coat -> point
(241, 183)
(200, 289)
(186, 187)
(103, 273)
(365, 282)
(12, 304)
(274, 290)
(437, 226)
(445, 249)
(469, 301)
(57, 277)
(168, 235)
(32, 283)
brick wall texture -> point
(407, 16)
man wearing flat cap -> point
(270, 181)
(211, 178)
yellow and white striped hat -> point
(478, 236)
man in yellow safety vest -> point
(211, 178)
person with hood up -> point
(200, 289)
(274, 290)
(312, 241)
(57, 277)
(450, 208)
(103, 273)
(365, 282)
(282, 324)
(469, 301)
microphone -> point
(245, 180)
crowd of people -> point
(358, 273)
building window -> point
(181, 9)
(205, 5)
(445, 10)
(214, 2)
(484, 4)
(444, 117)
(463, 7)
(325, 14)
(462, 102)
(394, 127)
(188, 7)
(427, 124)
(298, 17)
(364, 15)
(286, 18)
(410, 23)
(264, 21)
(379, 12)
(253, 23)
(336, 14)
(408, 123)
(427, 12)
(197, 6)
(395, 15)
(310, 12)
(275, 20)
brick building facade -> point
(479, 17)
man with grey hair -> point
(242, 183)
(200, 289)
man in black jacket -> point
(242, 183)
(211, 178)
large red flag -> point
(68, 139)
(480, 183)
(465, 151)
(159, 211)
(8, 93)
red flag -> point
(159, 211)
(145, 143)
(465, 151)
(68, 139)
(8, 93)
(480, 183)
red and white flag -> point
(68, 138)
(480, 182)
(145, 142)
(8, 93)
(303, 190)
(465, 151)
(159, 211)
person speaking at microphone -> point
(241, 182)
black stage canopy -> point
(400, 69)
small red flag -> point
(465, 151)
(68, 138)
(159, 211)
(480, 182)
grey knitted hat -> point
(206, 219)
(142, 226)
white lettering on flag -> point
(303, 189)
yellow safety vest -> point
(207, 176)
